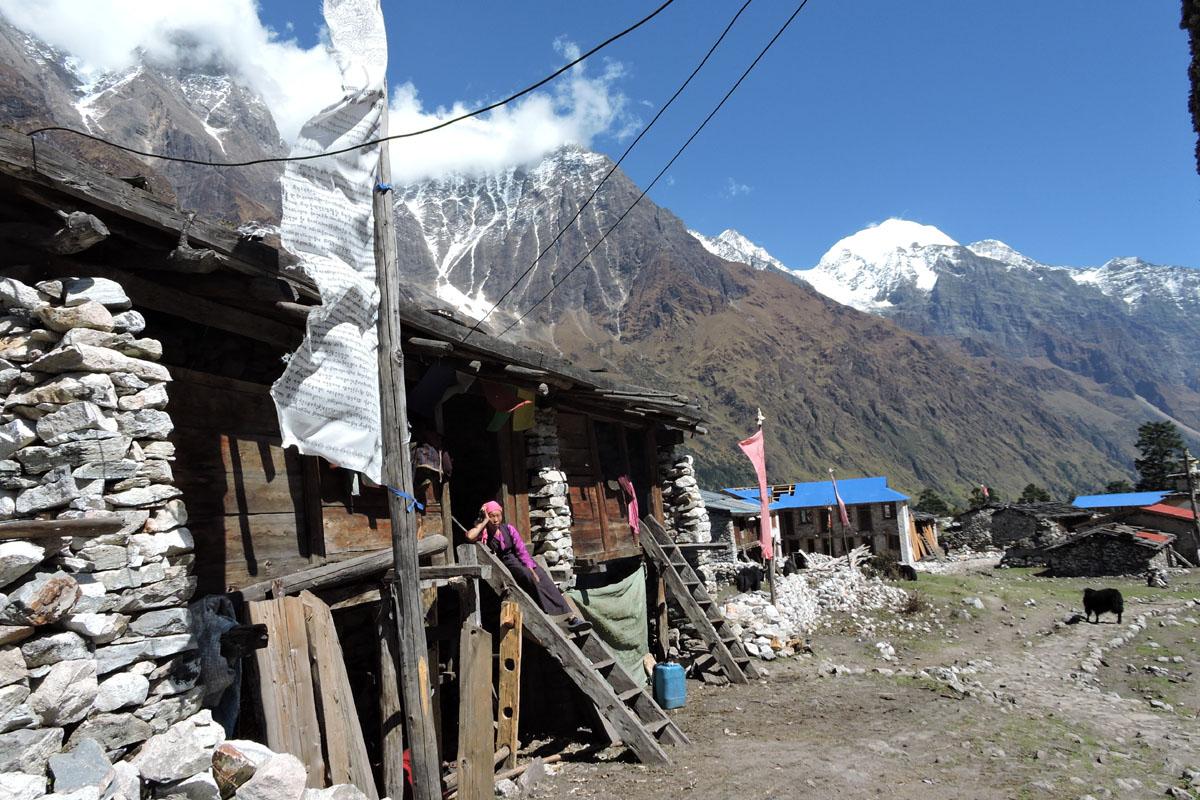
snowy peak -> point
(877, 242)
(999, 251)
(1136, 282)
(733, 246)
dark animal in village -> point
(749, 579)
(1102, 601)
(907, 572)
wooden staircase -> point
(626, 706)
(686, 588)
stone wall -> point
(549, 509)
(1103, 555)
(96, 643)
(683, 506)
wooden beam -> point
(80, 231)
(59, 177)
(48, 528)
(442, 572)
(508, 716)
(391, 707)
(429, 346)
(475, 767)
(339, 572)
(420, 727)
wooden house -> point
(566, 450)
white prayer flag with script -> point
(328, 396)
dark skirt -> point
(538, 585)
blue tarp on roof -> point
(1120, 500)
(819, 494)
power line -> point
(608, 174)
(663, 171)
(372, 142)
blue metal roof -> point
(819, 494)
(724, 502)
(1119, 500)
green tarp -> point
(618, 616)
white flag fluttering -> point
(328, 396)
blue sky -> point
(1058, 127)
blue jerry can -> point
(670, 686)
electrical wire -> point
(371, 142)
(610, 172)
(663, 171)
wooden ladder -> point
(687, 590)
(626, 706)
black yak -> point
(1101, 601)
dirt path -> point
(1021, 718)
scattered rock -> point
(29, 751)
(281, 777)
(112, 731)
(66, 694)
(86, 358)
(122, 691)
(235, 761)
(20, 786)
(183, 750)
(17, 558)
(45, 599)
(88, 314)
(108, 293)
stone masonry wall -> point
(549, 509)
(683, 506)
(97, 652)
(1102, 555)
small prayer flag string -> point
(412, 501)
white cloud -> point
(576, 108)
(295, 82)
(735, 189)
(107, 35)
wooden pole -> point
(391, 709)
(413, 666)
(475, 736)
(508, 718)
(1191, 488)
(767, 521)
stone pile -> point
(686, 516)
(802, 600)
(96, 642)
(191, 760)
(549, 508)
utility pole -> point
(412, 657)
(1191, 488)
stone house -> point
(1109, 549)
(734, 524)
(808, 520)
(1179, 522)
(971, 529)
(1024, 530)
(145, 496)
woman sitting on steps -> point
(505, 541)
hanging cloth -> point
(631, 504)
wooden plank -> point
(391, 708)
(46, 528)
(397, 472)
(475, 767)
(285, 684)
(338, 573)
(344, 744)
(443, 571)
(508, 716)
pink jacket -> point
(517, 542)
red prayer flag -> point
(845, 516)
(753, 448)
(984, 490)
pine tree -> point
(1032, 493)
(932, 503)
(1118, 487)
(977, 500)
(1161, 447)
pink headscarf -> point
(492, 506)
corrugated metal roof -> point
(1120, 500)
(724, 502)
(1164, 510)
(819, 494)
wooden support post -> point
(391, 708)
(345, 746)
(420, 730)
(509, 714)
(475, 767)
(662, 620)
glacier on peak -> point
(731, 245)
(875, 243)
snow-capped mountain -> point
(733, 246)
(200, 112)
(1128, 324)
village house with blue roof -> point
(806, 518)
